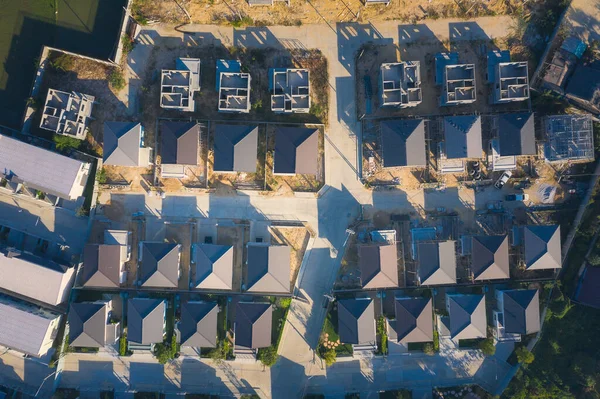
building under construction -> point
(568, 138)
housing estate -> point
(457, 80)
(509, 79)
(400, 84)
(178, 86)
(290, 90)
(233, 86)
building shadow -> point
(149, 377)
(468, 31)
(352, 36)
(255, 37)
(94, 376)
(200, 378)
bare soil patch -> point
(297, 239)
(238, 238)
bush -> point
(428, 349)
(267, 356)
(127, 44)
(136, 12)
(487, 347)
(256, 105)
(101, 176)
(284, 303)
(166, 351)
(221, 352)
(62, 63)
(594, 259)
(81, 211)
(64, 143)
(116, 79)
(524, 355)
(123, 349)
(436, 341)
(329, 355)
(240, 22)
(382, 332)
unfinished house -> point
(91, 325)
(145, 322)
(268, 268)
(414, 321)
(462, 141)
(558, 71)
(251, 328)
(235, 148)
(178, 86)
(266, 2)
(290, 90)
(67, 113)
(211, 267)
(124, 145)
(517, 313)
(158, 265)
(296, 151)
(513, 136)
(375, 2)
(40, 173)
(542, 247)
(378, 265)
(401, 84)
(457, 80)
(569, 138)
(104, 264)
(403, 143)
(489, 258)
(197, 327)
(356, 323)
(510, 79)
(27, 328)
(179, 147)
(467, 316)
(436, 263)
(233, 86)
(30, 276)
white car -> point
(503, 179)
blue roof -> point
(574, 46)
(441, 60)
(494, 58)
(232, 66)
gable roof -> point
(403, 142)
(212, 266)
(378, 265)
(87, 324)
(462, 136)
(268, 268)
(101, 265)
(489, 257)
(296, 150)
(516, 134)
(159, 265)
(253, 321)
(414, 319)
(437, 262)
(542, 247)
(588, 288)
(145, 320)
(356, 321)
(467, 316)
(179, 142)
(122, 143)
(521, 311)
(198, 325)
(235, 148)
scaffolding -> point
(568, 138)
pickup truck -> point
(517, 197)
(503, 179)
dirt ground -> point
(236, 236)
(137, 179)
(299, 182)
(297, 239)
(298, 13)
(181, 233)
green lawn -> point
(330, 327)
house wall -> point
(49, 337)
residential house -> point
(462, 141)
(403, 143)
(252, 328)
(514, 136)
(124, 145)
(27, 328)
(378, 265)
(235, 148)
(436, 263)
(90, 325)
(104, 264)
(178, 86)
(414, 321)
(27, 167)
(563, 63)
(296, 151)
(233, 86)
(400, 84)
(517, 313)
(268, 268)
(489, 257)
(290, 90)
(35, 278)
(467, 316)
(211, 267)
(542, 247)
(67, 114)
(179, 146)
(457, 80)
(158, 264)
(198, 325)
(356, 323)
(569, 137)
(145, 322)
(510, 79)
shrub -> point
(116, 79)
(64, 143)
(524, 355)
(221, 352)
(123, 350)
(256, 105)
(136, 12)
(101, 176)
(382, 332)
(240, 22)
(594, 259)
(62, 63)
(267, 356)
(127, 44)
(329, 355)
(428, 349)
(436, 341)
(81, 211)
(487, 347)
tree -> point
(524, 355)
(116, 79)
(428, 349)
(268, 356)
(487, 347)
(329, 355)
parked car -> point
(503, 179)
(517, 197)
